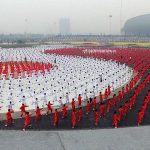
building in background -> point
(64, 26)
(138, 26)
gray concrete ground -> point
(136, 138)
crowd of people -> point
(67, 77)
(80, 77)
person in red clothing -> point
(122, 92)
(109, 90)
(126, 108)
(49, 107)
(94, 103)
(115, 120)
(140, 117)
(38, 115)
(109, 105)
(133, 100)
(27, 122)
(56, 118)
(106, 94)
(80, 114)
(131, 103)
(127, 88)
(114, 99)
(102, 109)
(64, 111)
(87, 107)
(120, 111)
(131, 84)
(119, 96)
(73, 118)
(73, 104)
(79, 100)
(144, 106)
(23, 109)
(9, 118)
(101, 97)
(96, 117)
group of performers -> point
(78, 75)
(99, 105)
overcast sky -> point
(86, 16)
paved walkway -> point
(136, 138)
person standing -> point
(79, 100)
(67, 98)
(64, 111)
(101, 97)
(56, 118)
(140, 117)
(88, 107)
(102, 109)
(96, 117)
(27, 122)
(109, 105)
(38, 115)
(94, 103)
(10, 106)
(115, 120)
(73, 118)
(80, 114)
(49, 107)
(73, 104)
(120, 111)
(23, 109)
(9, 118)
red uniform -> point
(109, 90)
(94, 104)
(64, 111)
(23, 109)
(73, 105)
(122, 92)
(127, 88)
(96, 117)
(120, 115)
(131, 102)
(27, 121)
(126, 108)
(87, 108)
(101, 97)
(79, 100)
(131, 85)
(140, 117)
(73, 119)
(56, 118)
(49, 107)
(102, 109)
(105, 94)
(9, 118)
(115, 121)
(109, 105)
(144, 106)
(38, 115)
(134, 99)
(119, 96)
(115, 100)
(80, 114)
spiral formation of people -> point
(58, 78)
(68, 77)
